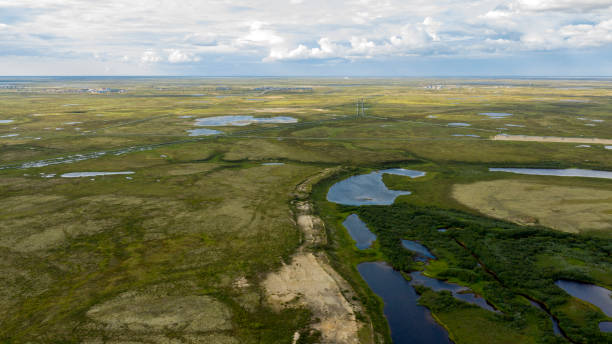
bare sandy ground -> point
(502, 137)
(309, 280)
(307, 283)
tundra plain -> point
(200, 243)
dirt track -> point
(309, 281)
(503, 137)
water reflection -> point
(359, 231)
(241, 120)
(367, 189)
(590, 293)
(570, 172)
(409, 322)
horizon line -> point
(319, 76)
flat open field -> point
(568, 208)
(191, 243)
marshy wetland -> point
(202, 210)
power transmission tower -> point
(360, 111)
(363, 107)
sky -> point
(306, 37)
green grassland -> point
(81, 259)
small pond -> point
(367, 189)
(92, 174)
(596, 295)
(570, 172)
(466, 135)
(359, 231)
(9, 135)
(6, 121)
(409, 322)
(218, 121)
(495, 114)
(60, 160)
(203, 132)
(417, 248)
(605, 326)
(273, 164)
(458, 124)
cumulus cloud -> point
(177, 56)
(584, 35)
(563, 5)
(411, 39)
(258, 34)
(168, 55)
(183, 33)
(149, 57)
(326, 49)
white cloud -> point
(326, 49)
(177, 56)
(585, 35)
(412, 37)
(150, 57)
(259, 35)
(497, 14)
(563, 5)
(142, 32)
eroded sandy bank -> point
(309, 281)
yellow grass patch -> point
(566, 208)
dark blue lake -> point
(409, 322)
